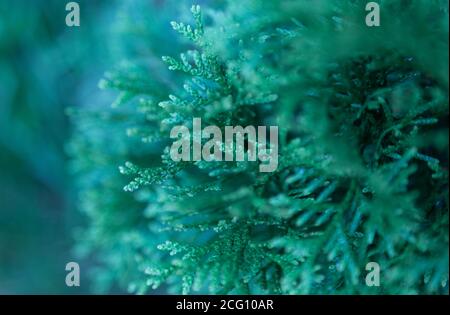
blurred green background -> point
(45, 67)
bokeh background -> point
(47, 68)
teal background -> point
(45, 67)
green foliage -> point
(363, 172)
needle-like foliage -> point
(363, 157)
